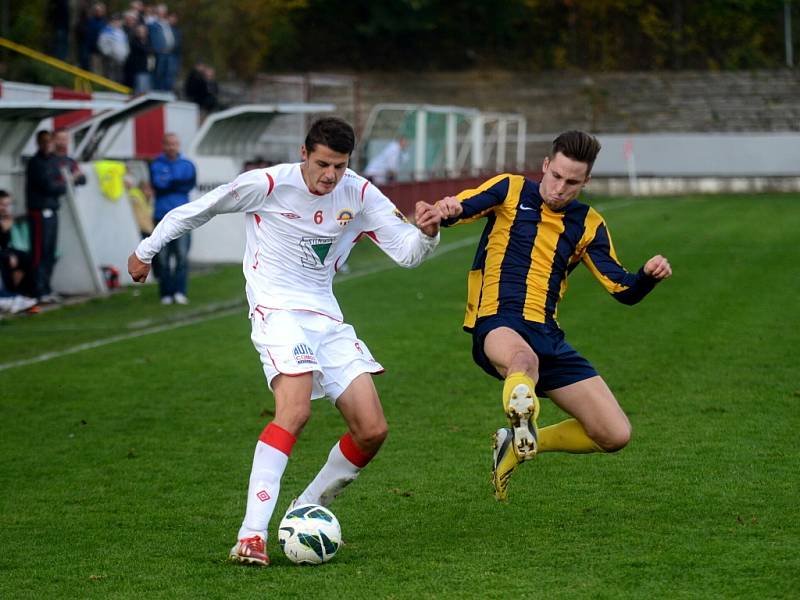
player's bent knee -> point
(524, 361)
(371, 438)
(293, 419)
(614, 440)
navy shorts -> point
(559, 363)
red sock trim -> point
(352, 452)
(277, 437)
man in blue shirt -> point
(172, 177)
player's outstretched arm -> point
(137, 269)
(658, 267)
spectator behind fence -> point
(59, 17)
(176, 55)
(137, 67)
(172, 177)
(385, 166)
(201, 88)
(15, 263)
(94, 25)
(130, 19)
(43, 190)
(137, 8)
(114, 49)
(162, 41)
(82, 34)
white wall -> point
(697, 155)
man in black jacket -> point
(43, 188)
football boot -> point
(521, 407)
(504, 462)
(251, 551)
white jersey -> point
(296, 240)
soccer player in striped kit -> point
(302, 220)
(536, 234)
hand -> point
(137, 268)
(449, 206)
(428, 218)
(658, 268)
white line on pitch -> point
(443, 249)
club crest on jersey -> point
(344, 217)
(303, 355)
(400, 216)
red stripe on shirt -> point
(271, 183)
(369, 234)
(308, 310)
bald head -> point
(171, 146)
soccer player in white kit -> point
(302, 220)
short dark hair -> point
(40, 134)
(333, 132)
(577, 145)
(4, 194)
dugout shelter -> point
(446, 141)
(19, 121)
(96, 231)
(99, 213)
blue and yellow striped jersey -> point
(527, 251)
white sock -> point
(336, 474)
(269, 464)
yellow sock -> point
(512, 381)
(567, 436)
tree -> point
(236, 36)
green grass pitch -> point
(127, 430)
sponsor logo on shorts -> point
(290, 215)
(303, 355)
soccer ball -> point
(309, 534)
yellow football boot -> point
(521, 407)
(505, 461)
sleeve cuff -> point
(428, 240)
(141, 256)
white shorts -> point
(293, 342)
